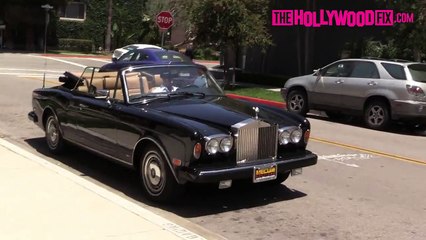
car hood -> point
(223, 111)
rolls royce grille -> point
(256, 141)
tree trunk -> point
(417, 54)
(108, 31)
(229, 64)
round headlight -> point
(226, 144)
(296, 135)
(284, 137)
(212, 146)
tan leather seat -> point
(133, 84)
(158, 81)
(110, 84)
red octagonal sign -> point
(164, 20)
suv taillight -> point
(415, 90)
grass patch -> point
(257, 93)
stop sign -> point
(164, 20)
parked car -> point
(173, 124)
(120, 51)
(379, 90)
(146, 56)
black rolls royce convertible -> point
(174, 125)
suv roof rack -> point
(391, 60)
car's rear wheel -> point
(377, 115)
(157, 179)
(54, 139)
(297, 102)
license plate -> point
(264, 173)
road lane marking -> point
(60, 60)
(99, 60)
(341, 158)
(105, 193)
(29, 70)
(375, 152)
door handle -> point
(340, 81)
(372, 83)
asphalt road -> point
(367, 184)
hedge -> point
(76, 45)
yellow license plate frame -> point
(266, 172)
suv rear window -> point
(395, 70)
(418, 72)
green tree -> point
(410, 37)
(229, 24)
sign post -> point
(46, 8)
(164, 21)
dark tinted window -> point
(340, 69)
(127, 56)
(364, 70)
(172, 57)
(395, 70)
(418, 72)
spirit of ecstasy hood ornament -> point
(256, 111)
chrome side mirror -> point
(102, 94)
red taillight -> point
(415, 90)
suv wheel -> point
(376, 115)
(297, 102)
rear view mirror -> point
(114, 59)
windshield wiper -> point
(149, 97)
(187, 94)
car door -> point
(97, 116)
(362, 80)
(327, 88)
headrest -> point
(158, 80)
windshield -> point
(418, 72)
(165, 81)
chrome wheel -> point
(376, 115)
(53, 135)
(154, 178)
(297, 103)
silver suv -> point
(378, 90)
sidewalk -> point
(39, 200)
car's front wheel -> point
(297, 102)
(157, 179)
(376, 115)
(54, 139)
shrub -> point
(261, 79)
(76, 45)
